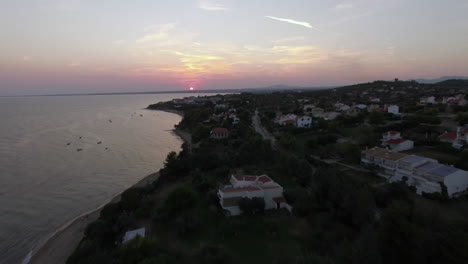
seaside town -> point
(345, 175)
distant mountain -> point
(441, 79)
(454, 82)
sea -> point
(64, 156)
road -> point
(257, 125)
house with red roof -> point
(246, 186)
(394, 141)
(294, 120)
(457, 139)
(448, 137)
(219, 133)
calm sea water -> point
(45, 183)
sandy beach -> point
(61, 244)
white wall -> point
(406, 145)
(456, 182)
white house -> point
(361, 106)
(457, 139)
(389, 135)
(341, 107)
(304, 121)
(427, 175)
(393, 109)
(400, 144)
(427, 100)
(330, 115)
(393, 141)
(289, 119)
(249, 187)
(294, 120)
(132, 234)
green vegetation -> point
(342, 213)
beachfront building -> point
(425, 174)
(219, 133)
(250, 187)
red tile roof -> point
(391, 132)
(395, 141)
(290, 122)
(264, 179)
(243, 189)
(219, 130)
(279, 199)
(245, 178)
(449, 136)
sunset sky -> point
(83, 46)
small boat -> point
(100, 142)
(110, 121)
(107, 148)
(141, 115)
(81, 137)
(68, 144)
(79, 149)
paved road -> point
(257, 125)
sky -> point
(87, 46)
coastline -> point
(61, 244)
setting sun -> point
(191, 88)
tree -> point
(138, 249)
(376, 118)
(213, 254)
(131, 198)
(462, 118)
(179, 200)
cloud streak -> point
(211, 5)
(344, 6)
(292, 21)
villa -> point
(249, 187)
(219, 133)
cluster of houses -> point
(227, 114)
(427, 175)
(349, 110)
(294, 120)
(244, 186)
(457, 139)
(450, 100)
